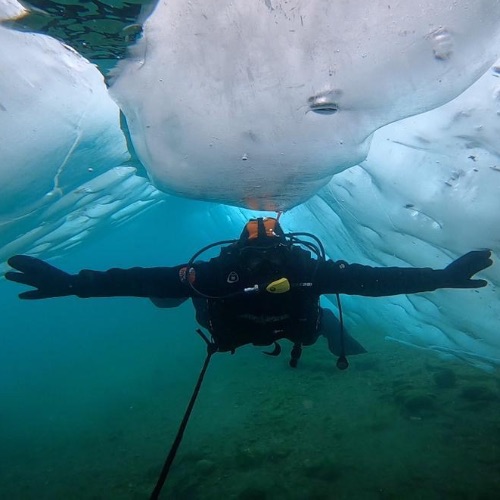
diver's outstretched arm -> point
(356, 279)
(49, 281)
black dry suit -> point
(261, 288)
(258, 294)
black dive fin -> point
(275, 352)
(351, 345)
(330, 329)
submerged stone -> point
(419, 403)
(445, 378)
(253, 493)
(325, 469)
(205, 466)
(415, 402)
(479, 393)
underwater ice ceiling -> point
(268, 105)
(258, 104)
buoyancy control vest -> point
(265, 292)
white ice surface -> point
(217, 94)
(61, 148)
(428, 192)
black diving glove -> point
(458, 274)
(48, 280)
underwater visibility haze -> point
(133, 133)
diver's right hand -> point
(48, 280)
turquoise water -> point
(92, 392)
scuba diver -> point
(261, 288)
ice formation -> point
(258, 104)
(428, 192)
(61, 145)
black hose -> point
(211, 349)
(342, 362)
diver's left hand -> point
(459, 273)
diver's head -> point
(262, 232)
(262, 245)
